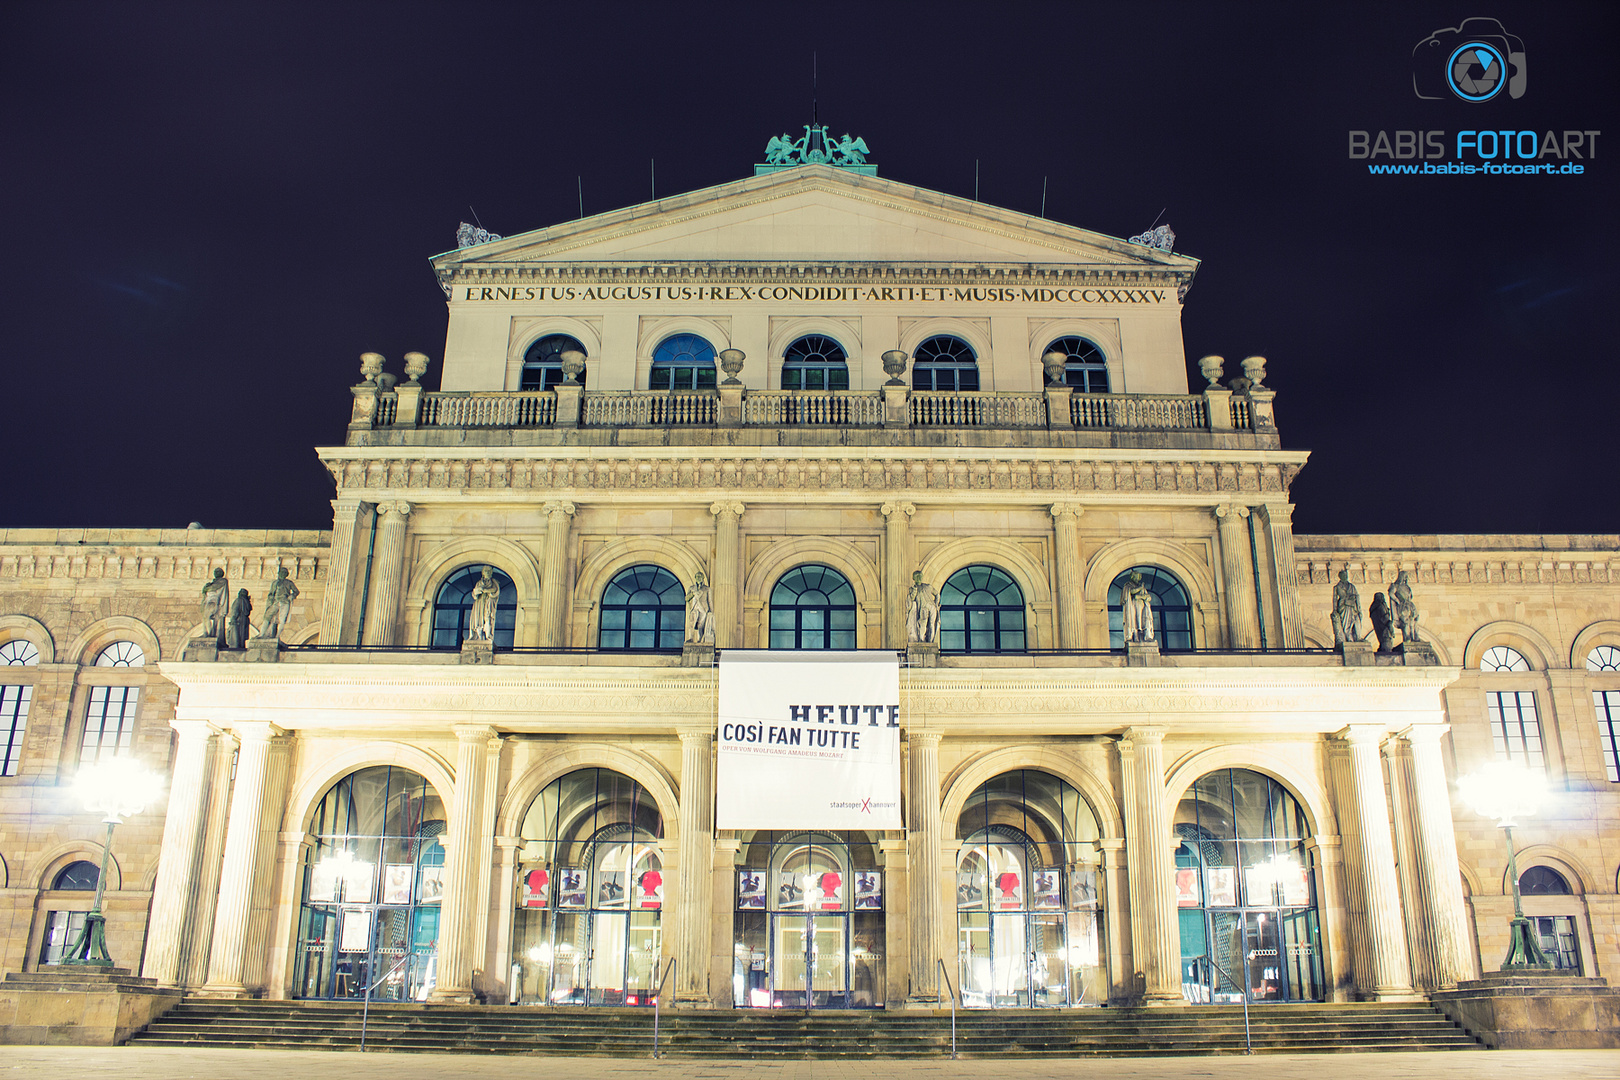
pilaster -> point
(554, 575)
(1150, 855)
(697, 840)
(1242, 616)
(725, 586)
(896, 571)
(1285, 573)
(462, 843)
(386, 571)
(922, 800)
(1071, 618)
(348, 517)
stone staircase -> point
(757, 1034)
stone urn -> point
(371, 366)
(1211, 367)
(573, 362)
(1255, 368)
(1054, 364)
(731, 362)
(894, 366)
(416, 364)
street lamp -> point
(114, 788)
(1506, 790)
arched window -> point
(1543, 881)
(77, 877)
(682, 362)
(1603, 658)
(813, 607)
(643, 607)
(1554, 915)
(18, 652)
(944, 362)
(1086, 370)
(815, 362)
(981, 610)
(121, 654)
(453, 604)
(109, 721)
(542, 362)
(1502, 658)
(1172, 613)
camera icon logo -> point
(1473, 61)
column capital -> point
(1279, 515)
(559, 506)
(924, 737)
(469, 733)
(194, 729)
(402, 508)
(735, 509)
(703, 736)
(1147, 736)
(1360, 734)
(1428, 734)
(1066, 509)
(889, 509)
(256, 731)
(1234, 510)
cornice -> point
(1495, 568)
(800, 272)
(120, 563)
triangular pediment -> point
(814, 214)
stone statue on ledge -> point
(1383, 621)
(1406, 613)
(1136, 605)
(236, 630)
(277, 606)
(216, 598)
(486, 596)
(922, 611)
(699, 613)
(1346, 611)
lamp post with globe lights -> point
(115, 788)
(1506, 790)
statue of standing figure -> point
(1406, 614)
(922, 611)
(699, 613)
(277, 606)
(1383, 621)
(1136, 605)
(236, 630)
(486, 596)
(216, 598)
(1346, 611)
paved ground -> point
(164, 1063)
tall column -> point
(199, 931)
(1381, 900)
(386, 570)
(1452, 955)
(554, 576)
(1150, 858)
(1237, 567)
(696, 853)
(726, 586)
(462, 838)
(1280, 520)
(924, 836)
(896, 571)
(1070, 610)
(182, 844)
(239, 869)
(345, 516)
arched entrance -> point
(1246, 892)
(588, 924)
(1028, 886)
(808, 925)
(372, 884)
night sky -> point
(212, 210)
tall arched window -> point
(1086, 370)
(1502, 658)
(1554, 914)
(109, 721)
(542, 362)
(453, 604)
(16, 695)
(813, 607)
(981, 610)
(815, 362)
(1172, 613)
(643, 607)
(944, 362)
(682, 362)
(80, 876)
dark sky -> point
(212, 210)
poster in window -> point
(1296, 884)
(571, 888)
(650, 888)
(969, 890)
(1048, 889)
(1082, 887)
(1187, 887)
(868, 890)
(1009, 890)
(537, 888)
(1222, 886)
(750, 890)
(359, 882)
(789, 893)
(1260, 885)
(354, 934)
(397, 883)
(432, 888)
(323, 879)
(610, 889)
(830, 891)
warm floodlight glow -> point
(1504, 791)
(117, 787)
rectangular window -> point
(1515, 727)
(14, 702)
(109, 726)
(61, 930)
(1607, 704)
(1556, 935)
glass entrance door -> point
(605, 972)
(811, 955)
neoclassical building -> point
(805, 386)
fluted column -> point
(1280, 520)
(1150, 858)
(345, 515)
(1070, 610)
(697, 841)
(896, 571)
(182, 843)
(239, 869)
(1446, 913)
(386, 569)
(554, 575)
(924, 837)
(1381, 889)
(726, 585)
(1237, 567)
(462, 838)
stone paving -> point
(166, 1063)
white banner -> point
(809, 740)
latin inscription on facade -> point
(843, 294)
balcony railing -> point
(1152, 412)
(648, 408)
(975, 408)
(836, 408)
